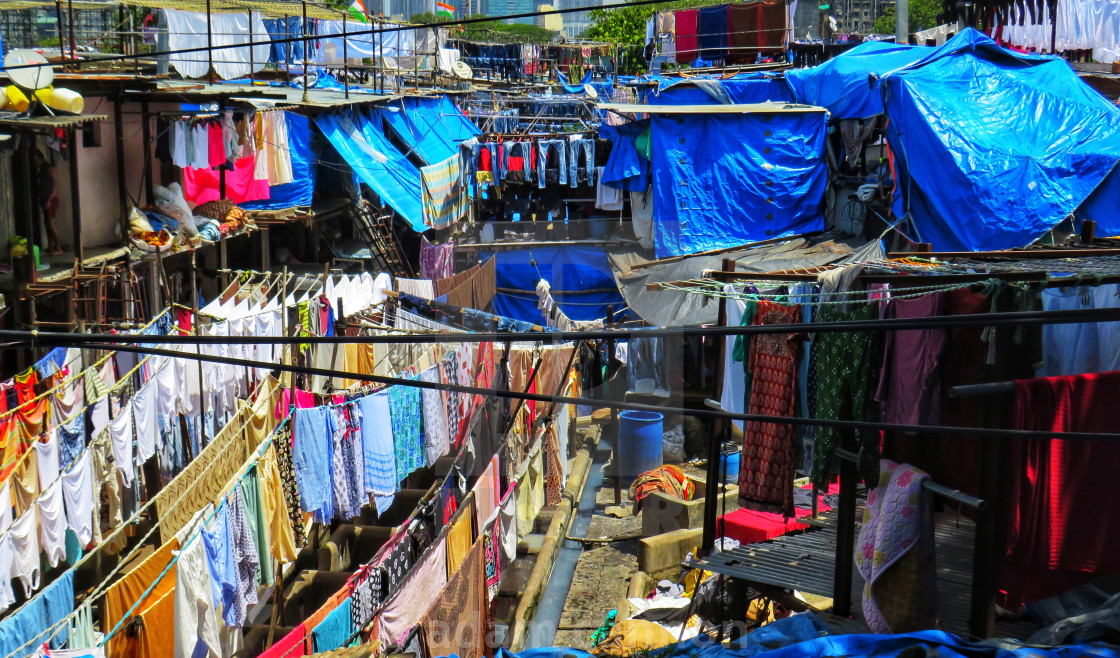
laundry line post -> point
(609, 392)
(720, 428)
(198, 349)
(345, 60)
(305, 49)
(209, 44)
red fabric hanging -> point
(1061, 528)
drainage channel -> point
(542, 632)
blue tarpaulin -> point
(433, 127)
(742, 88)
(993, 147)
(359, 139)
(922, 643)
(302, 188)
(848, 84)
(580, 277)
(726, 180)
(625, 168)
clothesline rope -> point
(101, 588)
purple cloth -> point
(437, 261)
(909, 382)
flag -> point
(445, 11)
(358, 11)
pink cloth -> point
(217, 148)
(203, 185)
(487, 493)
(291, 645)
(437, 261)
(416, 594)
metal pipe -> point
(974, 321)
(345, 60)
(61, 37)
(955, 495)
(210, 45)
(252, 62)
(305, 49)
(73, 41)
(87, 342)
(976, 390)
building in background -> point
(553, 22)
(576, 23)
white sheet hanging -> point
(187, 30)
(359, 40)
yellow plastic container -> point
(16, 99)
(65, 100)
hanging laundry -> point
(77, 491)
(766, 466)
(895, 553)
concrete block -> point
(668, 549)
(662, 513)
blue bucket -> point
(729, 464)
(639, 436)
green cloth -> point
(742, 351)
(844, 383)
(258, 525)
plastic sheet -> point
(715, 192)
(993, 147)
(301, 190)
(358, 138)
(848, 84)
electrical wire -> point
(700, 413)
(974, 320)
(380, 28)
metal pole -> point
(902, 21)
(305, 48)
(61, 37)
(381, 55)
(252, 62)
(345, 59)
(287, 47)
(146, 126)
(73, 41)
(209, 45)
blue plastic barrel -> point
(729, 464)
(640, 435)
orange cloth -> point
(25, 385)
(32, 420)
(319, 615)
(156, 639)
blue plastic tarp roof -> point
(581, 279)
(715, 192)
(848, 84)
(359, 139)
(433, 127)
(993, 147)
(742, 88)
(301, 190)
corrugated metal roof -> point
(12, 120)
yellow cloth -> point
(25, 483)
(161, 621)
(634, 636)
(281, 542)
(460, 535)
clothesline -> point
(70, 378)
(704, 413)
(101, 588)
(1077, 316)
